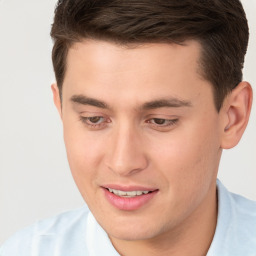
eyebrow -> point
(84, 100)
(159, 103)
(163, 103)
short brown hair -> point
(219, 25)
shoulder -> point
(236, 225)
(244, 205)
(59, 229)
(243, 217)
(63, 221)
(238, 207)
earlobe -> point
(236, 109)
(56, 98)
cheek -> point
(189, 158)
(188, 169)
(83, 152)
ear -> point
(236, 111)
(56, 98)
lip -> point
(129, 188)
(129, 203)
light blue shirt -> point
(77, 233)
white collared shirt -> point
(77, 233)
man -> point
(150, 93)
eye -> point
(94, 121)
(162, 123)
(159, 121)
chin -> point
(134, 231)
(132, 235)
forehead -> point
(120, 56)
(109, 70)
(94, 55)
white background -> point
(35, 181)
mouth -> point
(128, 193)
(129, 198)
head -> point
(150, 93)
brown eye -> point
(95, 119)
(159, 121)
(95, 122)
(162, 123)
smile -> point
(128, 193)
(129, 199)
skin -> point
(128, 140)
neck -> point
(193, 237)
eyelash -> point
(87, 122)
(170, 122)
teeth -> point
(127, 193)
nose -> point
(126, 154)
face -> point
(142, 135)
